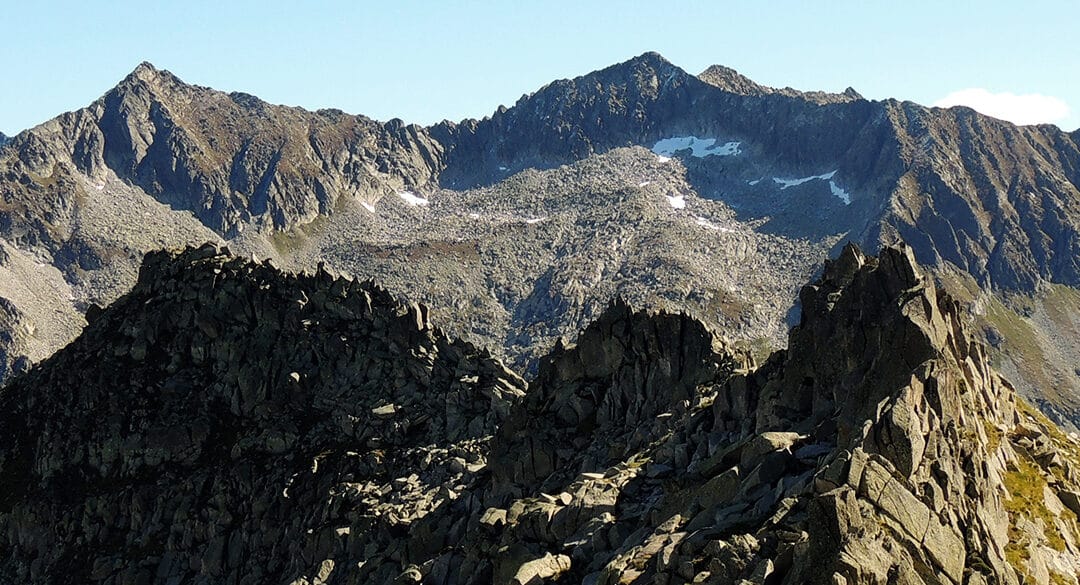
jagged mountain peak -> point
(732, 81)
(651, 59)
(168, 88)
(161, 82)
(640, 68)
(145, 70)
(644, 75)
(233, 159)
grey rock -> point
(397, 454)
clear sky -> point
(426, 61)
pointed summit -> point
(145, 67)
(650, 60)
(732, 81)
(147, 74)
(145, 71)
(644, 74)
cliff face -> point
(227, 423)
(997, 200)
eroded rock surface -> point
(518, 205)
(238, 422)
(228, 423)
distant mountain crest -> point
(732, 81)
(585, 176)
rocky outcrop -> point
(228, 423)
(239, 422)
(879, 448)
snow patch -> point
(413, 199)
(474, 216)
(699, 147)
(840, 193)
(785, 183)
(535, 220)
(837, 191)
(663, 159)
(644, 183)
(368, 206)
(676, 201)
(701, 221)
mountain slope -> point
(997, 200)
(540, 255)
(232, 159)
(790, 174)
(226, 422)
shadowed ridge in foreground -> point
(226, 422)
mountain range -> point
(593, 338)
(708, 194)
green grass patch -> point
(993, 436)
(1066, 448)
(288, 242)
(1020, 337)
(1021, 343)
(1062, 304)
(1026, 484)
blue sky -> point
(426, 61)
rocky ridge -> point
(233, 160)
(732, 81)
(976, 198)
(226, 422)
(239, 386)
